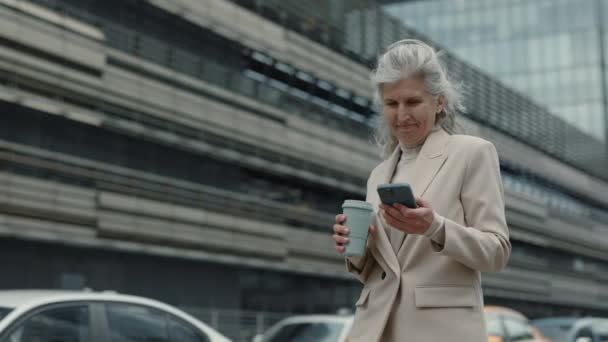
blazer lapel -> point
(385, 250)
(430, 160)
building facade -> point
(198, 151)
(554, 51)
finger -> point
(391, 209)
(395, 214)
(422, 203)
(340, 239)
(409, 214)
(399, 225)
(403, 210)
(372, 230)
(392, 219)
(340, 218)
(339, 248)
(340, 229)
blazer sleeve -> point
(484, 243)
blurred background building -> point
(197, 152)
(552, 50)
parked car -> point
(572, 329)
(309, 328)
(81, 316)
(504, 325)
(508, 325)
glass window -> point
(51, 325)
(518, 331)
(288, 69)
(260, 57)
(135, 323)
(534, 54)
(308, 332)
(343, 93)
(305, 76)
(183, 332)
(4, 312)
(324, 85)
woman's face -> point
(410, 110)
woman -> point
(421, 269)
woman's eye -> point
(391, 104)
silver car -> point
(309, 328)
(72, 316)
(572, 329)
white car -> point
(309, 328)
(81, 316)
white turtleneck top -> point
(403, 173)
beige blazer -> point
(428, 291)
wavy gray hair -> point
(404, 59)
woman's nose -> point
(403, 111)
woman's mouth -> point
(407, 127)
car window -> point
(600, 328)
(4, 312)
(184, 332)
(518, 331)
(555, 329)
(136, 323)
(308, 332)
(494, 326)
(69, 324)
(584, 334)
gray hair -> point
(404, 59)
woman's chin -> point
(409, 140)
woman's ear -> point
(440, 104)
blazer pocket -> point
(445, 296)
(363, 298)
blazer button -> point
(383, 275)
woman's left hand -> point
(409, 220)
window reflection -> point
(537, 47)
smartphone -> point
(397, 193)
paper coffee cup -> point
(358, 218)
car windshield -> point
(308, 332)
(555, 329)
(600, 327)
(4, 312)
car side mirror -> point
(257, 338)
(495, 339)
(583, 339)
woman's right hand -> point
(341, 233)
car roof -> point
(505, 311)
(568, 320)
(23, 300)
(556, 320)
(17, 298)
(318, 318)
